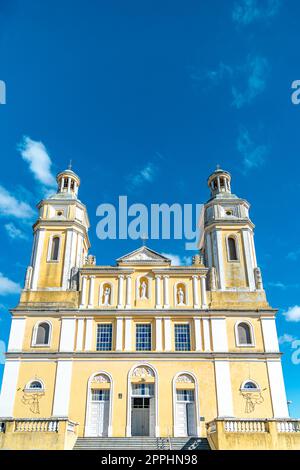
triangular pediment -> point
(144, 255)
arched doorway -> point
(185, 405)
(99, 406)
(142, 405)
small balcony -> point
(254, 434)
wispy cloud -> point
(14, 232)
(246, 12)
(7, 286)
(282, 286)
(145, 175)
(286, 338)
(292, 314)
(253, 155)
(36, 155)
(246, 81)
(293, 255)
(11, 206)
(177, 260)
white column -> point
(80, 328)
(62, 181)
(268, 325)
(223, 388)
(119, 334)
(9, 387)
(168, 334)
(62, 391)
(67, 334)
(120, 291)
(206, 334)
(158, 334)
(158, 291)
(16, 336)
(128, 334)
(203, 292)
(128, 291)
(198, 339)
(248, 260)
(37, 258)
(91, 292)
(89, 334)
(67, 259)
(219, 334)
(219, 252)
(166, 292)
(83, 292)
(195, 292)
(69, 185)
(277, 389)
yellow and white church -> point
(144, 354)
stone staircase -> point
(141, 443)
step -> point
(140, 443)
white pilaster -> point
(67, 334)
(128, 291)
(37, 257)
(158, 334)
(9, 387)
(158, 291)
(83, 292)
(270, 334)
(89, 334)
(203, 292)
(62, 391)
(248, 259)
(206, 334)
(120, 291)
(219, 252)
(80, 328)
(195, 292)
(219, 334)
(166, 292)
(16, 336)
(91, 292)
(277, 389)
(67, 260)
(223, 388)
(128, 334)
(119, 334)
(168, 334)
(197, 329)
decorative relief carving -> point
(184, 378)
(74, 278)
(90, 260)
(142, 372)
(100, 379)
(28, 278)
(212, 279)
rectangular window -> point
(182, 338)
(143, 337)
(100, 395)
(104, 337)
(143, 390)
(185, 395)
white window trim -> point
(56, 235)
(243, 389)
(32, 390)
(35, 330)
(101, 304)
(112, 335)
(196, 398)
(186, 294)
(233, 235)
(151, 332)
(88, 402)
(238, 344)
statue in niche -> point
(212, 279)
(180, 296)
(28, 278)
(258, 278)
(106, 295)
(74, 278)
(143, 290)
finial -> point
(70, 165)
(218, 166)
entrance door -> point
(140, 416)
(185, 413)
(181, 419)
(98, 419)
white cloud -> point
(146, 174)
(292, 314)
(277, 284)
(177, 260)
(11, 206)
(293, 255)
(36, 155)
(286, 338)
(14, 232)
(7, 286)
(246, 12)
(253, 155)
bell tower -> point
(228, 238)
(60, 238)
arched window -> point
(249, 385)
(42, 334)
(244, 334)
(35, 385)
(55, 249)
(232, 250)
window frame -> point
(237, 339)
(244, 389)
(100, 324)
(139, 324)
(235, 238)
(49, 254)
(176, 326)
(28, 388)
(34, 335)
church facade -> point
(143, 348)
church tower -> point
(229, 239)
(60, 238)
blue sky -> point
(146, 98)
